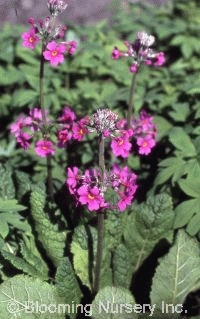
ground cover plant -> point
(99, 183)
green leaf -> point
(26, 266)
(10, 205)
(178, 272)
(122, 267)
(190, 187)
(48, 234)
(180, 139)
(184, 212)
(23, 97)
(7, 189)
(114, 303)
(147, 224)
(67, 284)
(29, 298)
(82, 241)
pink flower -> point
(145, 144)
(73, 178)
(21, 123)
(121, 146)
(29, 39)
(159, 59)
(23, 140)
(44, 148)
(91, 197)
(116, 54)
(79, 131)
(54, 53)
(71, 47)
(124, 202)
(67, 116)
(134, 68)
(63, 137)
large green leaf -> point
(147, 224)
(185, 210)
(178, 272)
(28, 298)
(84, 248)
(181, 140)
(114, 303)
(67, 283)
(51, 238)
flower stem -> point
(100, 226)
(45, 127)
(130, 100)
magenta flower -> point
(23, 140)
(21, 123)
(54, 53)
(121, 146)
(79, 131)
(73, 178)
(91, 197)
(124, 202)
(44, 148)
(67, 116)
(63, 137)
(145, 144)
(30, 39)
(140, 51)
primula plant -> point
(99, 151)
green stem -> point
(100, 226)
(130, 100)
(45, 126)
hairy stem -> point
(45, 126)
(100, 226)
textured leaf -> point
(178, 272)
(180, 139)
(28, 298)
(185, 210)
(113, 303)
(10, 205)
(122, 267)
(7, 189)
(84, 247)
(33, 270)
(67, 284)
(48, 234)
(146, 226)
(23, 183)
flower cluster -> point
(26, 127)
(142, 130)
(48, 32)
(140, 51)
(70, 127)
(88, 189)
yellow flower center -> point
(90, 196)
(54, 52)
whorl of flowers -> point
(140, 51)
(87, 188)
(104, 122)
(47, 31)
